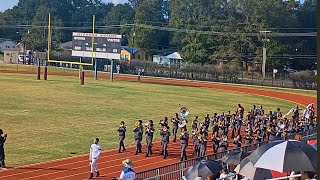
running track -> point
(77, 167)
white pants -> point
(93, 165)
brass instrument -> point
(281, 124)
(162, 122)
(269, 129)
(182, 123)
(137, 124)
(184, 112)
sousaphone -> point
(184, 112)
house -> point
(6, 44)
(128, 53)
(11, 55)
(168, 57)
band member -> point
(165, 134)
(279, 113)
(3, 138)
(296, 112)
(183, 121)
(122, 136)
(258, 138)
(95, 151)
(239, 123)
(240, 111)
(184, 137)
(138, 132)
(175, 122)
(271, 132)
(195, 123)
(164, 122)
(216, 142)
(149, 137)
(202, 145)
(248, 140)
(233, 125)
(224, 144)
(237, 141)
(195, 141)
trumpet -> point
(137, 124)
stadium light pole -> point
(264, 50)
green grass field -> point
(50, 119)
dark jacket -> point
(138, 133)
(2, 140)
(149, 134)
(165, 136)
(184, 138)
(122, 131)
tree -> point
(36, 39)
(147, 13)
(118, 15)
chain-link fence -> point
(227, 74)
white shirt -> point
(95, 150)
(127, 174)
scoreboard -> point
(106, 46)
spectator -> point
(307, 175)
(128, 173)
(211, 177)
(3, 138)
(225, 174)
(118, 68)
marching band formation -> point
(258, 126)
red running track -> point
(77, 167)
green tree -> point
(147, 13)
(37, 39)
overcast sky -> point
(7, 4)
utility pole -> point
(264, 58)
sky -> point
(7, 4)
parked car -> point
(289, 70)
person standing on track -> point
(3, 138)
(165, 140)
(122, 136)
(149, 137)
(95, 151)
(175, 122)
(138, 132)
(184, 137)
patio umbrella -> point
(234, 157)
(313, 143)
(203, 169)
(245, 168)
(285, 156)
